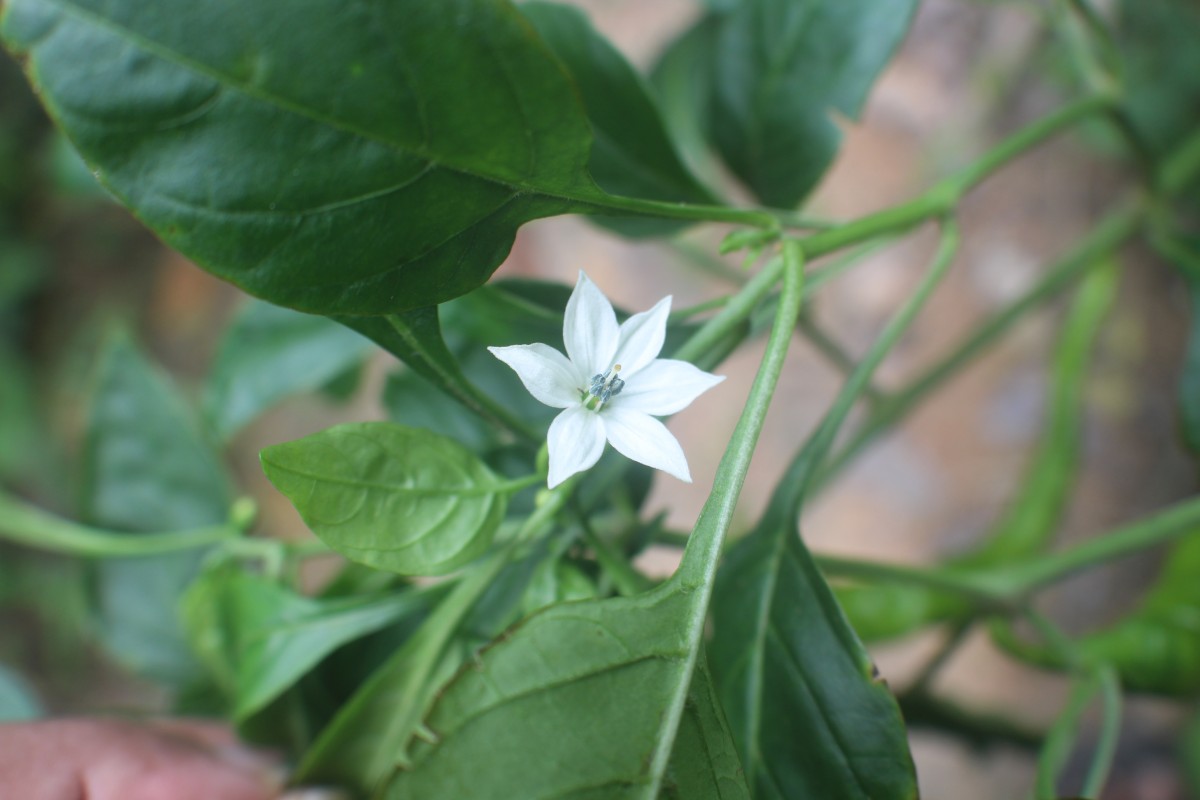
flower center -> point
(603, 387)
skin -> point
(92, 759)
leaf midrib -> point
(587, 193)
(474, 490)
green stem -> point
(991, 595)
(735, 312)
(955, 640)
(1113, 231)
(1110, 731)
(1027, 138)
(32, 527)
(922, 709)
(627, 580)
(699, 565)
(804, 467)
(684, 314)
(517, 484)
(437, 361)
(833, 353)
(1061, 739)
(695, 213)
(1172, 523)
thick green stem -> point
(733, 314)
(695, 213)
(1172, 523)
(699, 565)
(988, 594)
(1110, 732)
(32, 527)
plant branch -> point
(1172, 523)
(29, 526)
(1113, 231)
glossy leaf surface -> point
(378, 161)
(394, 498)
(780, 68)
(269, 353)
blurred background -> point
(73, 265)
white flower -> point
(611, 387)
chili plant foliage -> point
(363, 167)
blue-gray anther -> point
(606, 385)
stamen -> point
(605, 386)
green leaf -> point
(810, 717)
(606, 671)
(704, 764)
(683, 82)
(377, 162)
(1157, 40)
(394, 498)
(148, 469)
(260, 638)
(412, 400)
(17, 700)
(269, 353)
(780, 68)
(632, 154)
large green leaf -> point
(260, 638)
(631, 154)
(394, 498)
(269, 353)
(780, 68)
(147, 468)
(808, 713)
(356, 160)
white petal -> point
(641, 338)
(576, 441)
(546, 373)
(645, 440)
(664, 387)
(590, 330)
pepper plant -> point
(362, 168)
